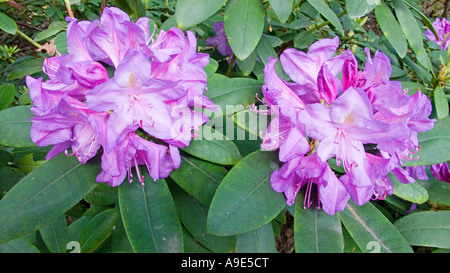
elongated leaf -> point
(246, 66)
(53, 29)
(232, 92)
(26, 68)
(7, 24)
(372, 231)
(213, 146)
(244, 24)
(207, 178)
(7, 93)
(441, 103)
(425, 19)
(391, 29)
(15, 127)
(149, 216)
(282, 8)
(47, 192)
(317, 232)
(260, 240)
(412, 192)
(193, 215)
(102, 195)
(19, 245)
(189, 13)
(266, 50)
(55, 235)
(432, 143)
(411, 29)
(427, 228)
(245, 199)
(97, 230)
(359, 8)
(438, 191)
(327, 13)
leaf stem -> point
(327, 22)
(26, 37)
(69, 8)
(230, 66)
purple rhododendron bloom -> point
(140, 116)
(220, 40)
(332, 110)
(442, 28)
(441, 172)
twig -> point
(102, 6)
(26, 37)
(28, 26)
(230, 67)
(69, 8)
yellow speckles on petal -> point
(132, 81)
(349, 121)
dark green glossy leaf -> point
(53, 29)
(426, 228)
(15, 126)
(441, 103)
(425, 19)
(193, 215)
(97, 229)
(315, 231)
(26, 68)
(411, 28)
(244, 24)
(19, 245)
(213, 146)
(412, 192)
(245, 199)
(102, 195)
(323, 8)
(432, 143)
(55, 235)
(189, 13)
(232, 92)
(149, 216)
(199, 178)
(391, 29)
(7, 93)
(7, 24)
(358, 8)
(282, 8)
(260, 240)
(47, 192)
(371, 230)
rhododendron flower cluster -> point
(331, 110)
(442, 28)
(121, 90)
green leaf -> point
(432, 143)
(246, 66)
(282, 8)
(245, 199)
(438, 191)
(193, 215)
(232, 92)
(60, 43)
(19, 245)
(47, 192)
(358, 8)
(191, 245)
(7, 24)
(26, 68)
(315, 231)
(10, 176)
(207, 178)
(244, 24)
(55, 235)
(322, 7)
(15, 126)
(391, 29)
(425, 19)
(149, 216)
(266, 50)
(102, 195)
(411, 29)
(97, 229)
(211, 68)
(412, 192)
(189, 13)
(426, 228)
(371, 230)
(213, 146)
(441, 103)
(303, 39)
(53, 29)
(260, 240)
(7, 93)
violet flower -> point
(441, 172)
(220, 40)
(442, 28)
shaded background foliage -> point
(220, 200)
